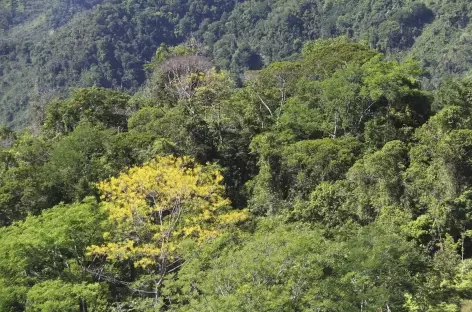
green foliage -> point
(305, 164)
(22, 187)
(97, 106)
(292, 268)
(51, 296)
(331, 181)
(376, 180)
(78, 160)
(47, 47)
(323, 57)
(45, 248)
(439, 170)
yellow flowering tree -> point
(152, 209)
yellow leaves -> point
(207, 234)
(144, 263)
(113, 251)
(154, 207)
(188, 231)
(233, 217)
(206, 216)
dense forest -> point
(330, 182)
(214, 155)
(48, 47)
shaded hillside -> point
(46, 47)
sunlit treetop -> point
(153, 208)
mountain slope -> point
(47, 47)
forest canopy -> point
(334, 181)
(50, 47)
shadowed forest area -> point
(49, 47)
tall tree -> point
(153, 209)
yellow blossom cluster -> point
(154, 207)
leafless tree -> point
(182, 74)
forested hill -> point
(332, 182)
(47, 47)
(228, 156)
